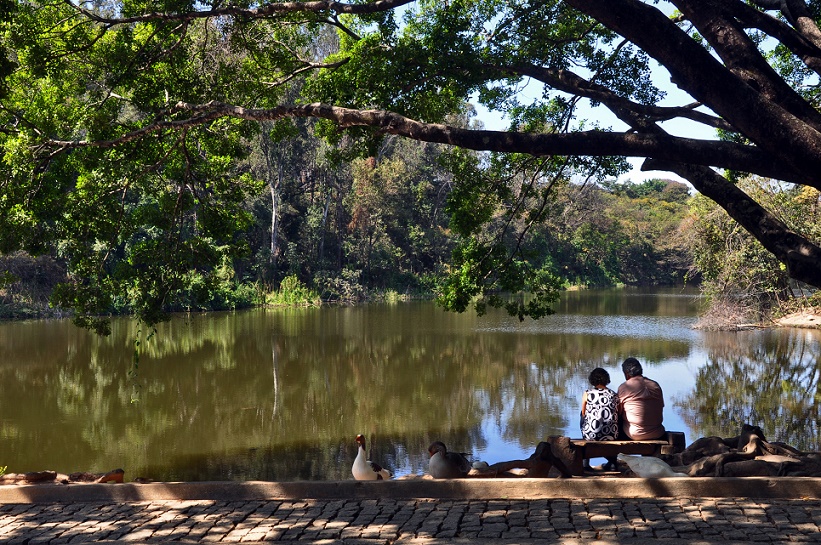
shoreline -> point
(805, 319)
(470, 489)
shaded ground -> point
(387, 521)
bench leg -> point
(572, 456)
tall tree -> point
(97, 99)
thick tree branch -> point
(591, 143)
(807, 48)
(801, 256)
(798, 13)
(695, 70)
(742, 57)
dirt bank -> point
(806, 319)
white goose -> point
(365, 470)
(446, 465)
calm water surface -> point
(280, 395)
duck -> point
(365, 470)
(649, 467)
(446, 465)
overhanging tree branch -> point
(805, 47)
(590, 143)
(266, 10)
(693, 68)
(742, 57)
(801, 256)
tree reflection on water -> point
(281, 395)
(768, 378)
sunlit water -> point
(280, 395)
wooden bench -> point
(576, 451)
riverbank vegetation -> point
(384, 233)
(745, 283)
(374, 241)
(169, 157)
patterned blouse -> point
(601, 418)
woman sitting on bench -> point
(599, 415)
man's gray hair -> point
(632, 367)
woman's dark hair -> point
(599, 376)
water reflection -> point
(769, 378)
(281, 395)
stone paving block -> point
(543, 533)
(401, 517)
(519, 532)
(666, 533)
(386, 520)
(253, 536)
(802, 538)
(177, 534)
(198, 530)
(625, 532)
(734, 535)
(274, 534)
(330, 534)
(389, 534)
(41, 540)
(137, 535)
(292, 534)
(451, 521)
(234, 537)
(760, 538)
(20, 540)
(807, 527)
(350, 532)
(309, 535)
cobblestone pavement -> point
(378, 521)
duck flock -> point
(442, 464)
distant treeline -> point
(330, 227)
(353, 229)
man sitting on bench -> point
(641, 408)
(641, 405)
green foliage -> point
(493, 209)
(344, 286)
(470, 204)
(292, 292)
(26, 284)
(143, 227)
(114, 164)
(736, 268)
(665, 190)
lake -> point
(281, 394)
